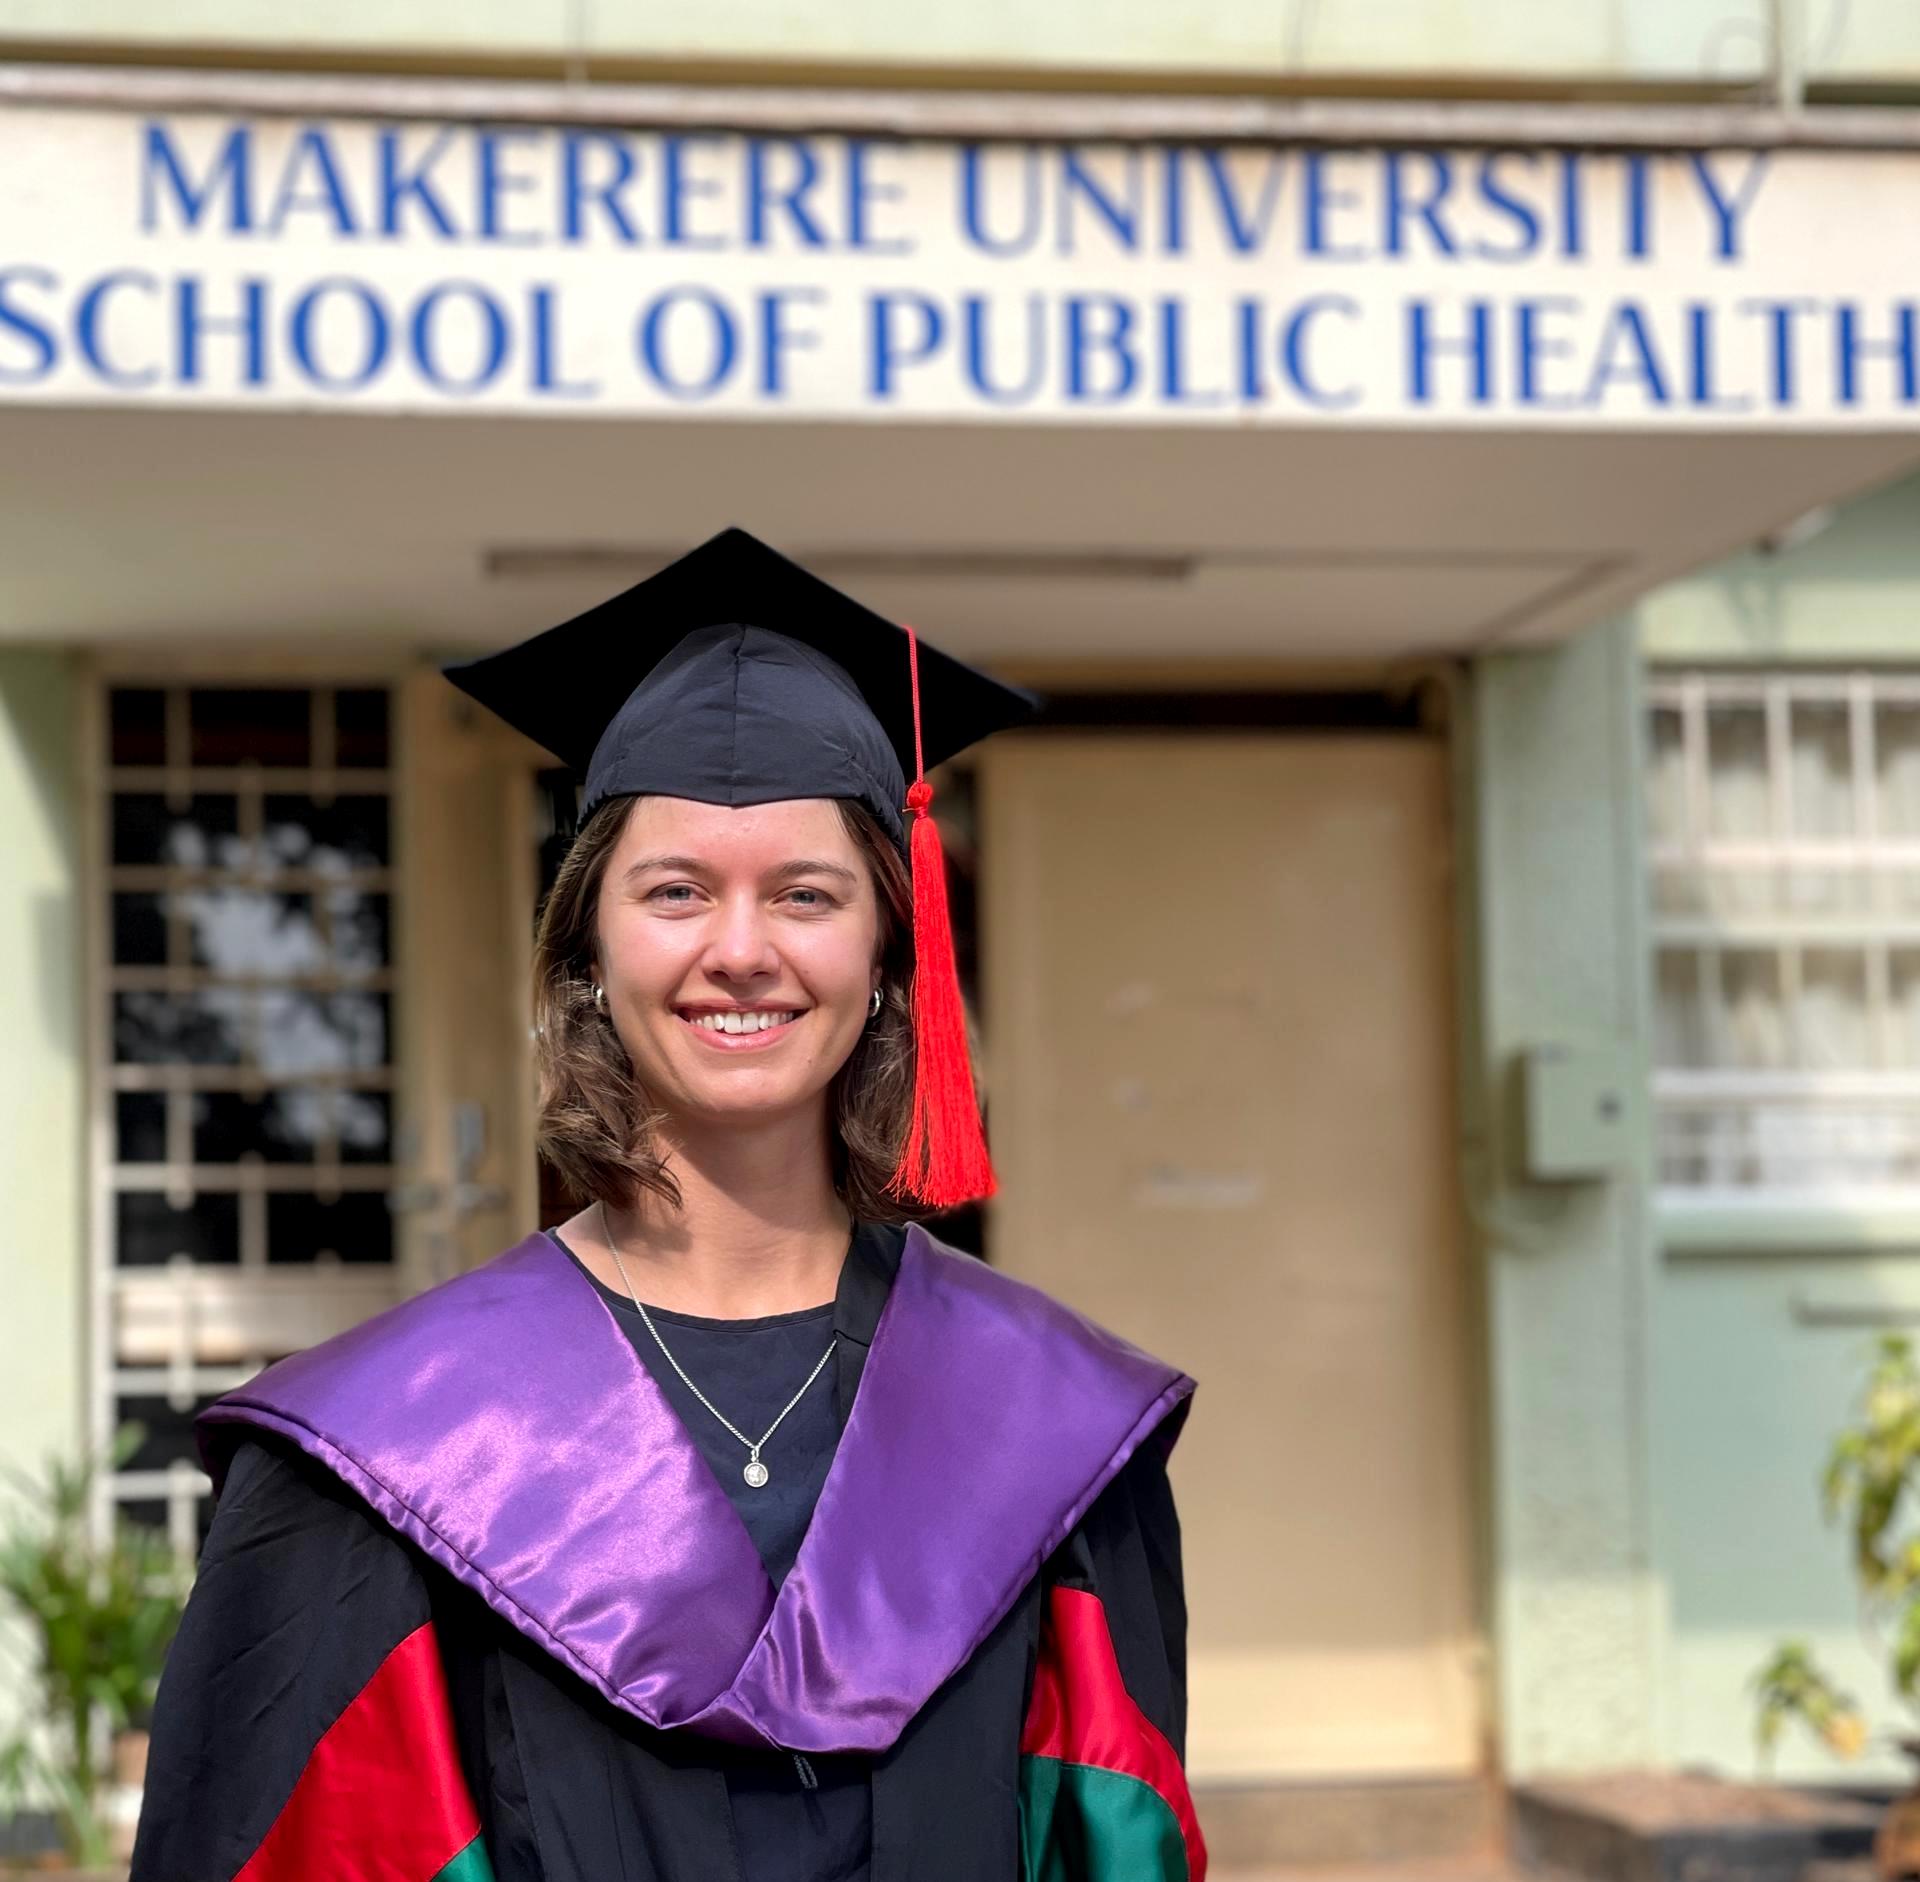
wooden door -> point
(1220, 1069)
(470, 862)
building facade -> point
(1445, 473)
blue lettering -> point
(1320, 199)
(763, 194)
(723, 341)
(1728, 210)
(1293, 351)
(1639, 241)
(1573, 191)
(86, 327)
(191, 323)
(888, 352)
(1244, 233)
(1849, 347)
(1399, 207)
(18, 321)
(325, 192)
(424, 331)
(776, 337)
(1077, 183)
(1626, 353)
(973, 176)
(679, 190)
(376, 334)
(576, 192)
(546, 347)
(399, 185)
(863, 191)
(1525, 220)
(1780, 316)
(1246, 320)
(232, 173)
(1173, 365)
(1700, 337)
(495, 184)
(1424, 343)
(1531, 346)
(1099, 325)
(978, 312)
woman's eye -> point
(671, 891)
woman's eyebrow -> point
(692, 865)
(811, 866)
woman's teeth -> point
(738, 1022)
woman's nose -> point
(742, 943)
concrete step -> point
(1324, 1825)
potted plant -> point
(100, 1609)
(1871, 1471)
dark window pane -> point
(140, 1126)
(362, 938)
(262, 726)
(276, 1126)
(356, 1227)
(169, 1433)
(366, 1126)
(251, 931)
(152, 1231)
(139, 930)
(360, 727)
(205, 835)
(137, 726)
(205, 1028)
(349, 833)
(303, 1032)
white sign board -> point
(413, 266)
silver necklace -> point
(755, 1472)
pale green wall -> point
(1599, 42)
(1746, 1393)
(1746, 1398)
(42, 1263)
(1556, 944)
(1851, 592)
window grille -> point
(1783, 820)
(242, 978)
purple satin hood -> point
(503, 1423)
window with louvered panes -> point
(243, 969)
(1783, 823)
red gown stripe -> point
(382, 1797)
(1082, 1713)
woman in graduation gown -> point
(736, 1530)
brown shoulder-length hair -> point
(595, 1122)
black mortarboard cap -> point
(735, 676)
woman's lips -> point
(739, 1041)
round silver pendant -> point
(755, 1473)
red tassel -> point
(943, 1161)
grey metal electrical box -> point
(1581, 1106)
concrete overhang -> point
(1036, 543)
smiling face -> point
(739, 951)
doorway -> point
(1221, 1078)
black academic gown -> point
(300, 1730)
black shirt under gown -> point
(795, 1818)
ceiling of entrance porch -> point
(1003, 542)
